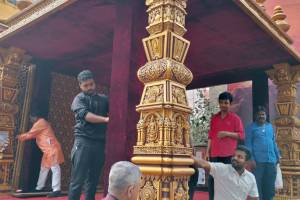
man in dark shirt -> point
(87, 155)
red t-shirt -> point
(226, 146)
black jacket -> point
(96, 104)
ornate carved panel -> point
(180, 185)
(166, 44)
(8, 94)
(149, 188)
(169, 15)
(13, 62)
(63, 89)
(5, 174)
(154, 94)
(165, 68)
(7, 121)
(291, 188)
(164, 150)
(178, 95)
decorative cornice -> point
(32, 14)
(263, 20)
(3, 27)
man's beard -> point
(90, 92)
(235, 165)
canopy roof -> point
(230, 40)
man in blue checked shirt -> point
(260, 139)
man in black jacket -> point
(87, 155)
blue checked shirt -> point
(261, 142)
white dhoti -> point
(56, 178)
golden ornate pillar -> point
(285, 77)
(163, 149)
(11, 61)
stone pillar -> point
(285, 77)
(11, 61)
(163, 147)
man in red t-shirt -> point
(226, 129)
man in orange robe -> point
(52, 153)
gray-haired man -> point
(87, 155)
(124, 181)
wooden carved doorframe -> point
(23, 126)
(14, 64)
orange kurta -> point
(46, 141)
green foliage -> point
(200, 118)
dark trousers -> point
(211, 188)
(193, 184)
(87, 158)
(265, 175)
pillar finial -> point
(279, 17)
(261, 4)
